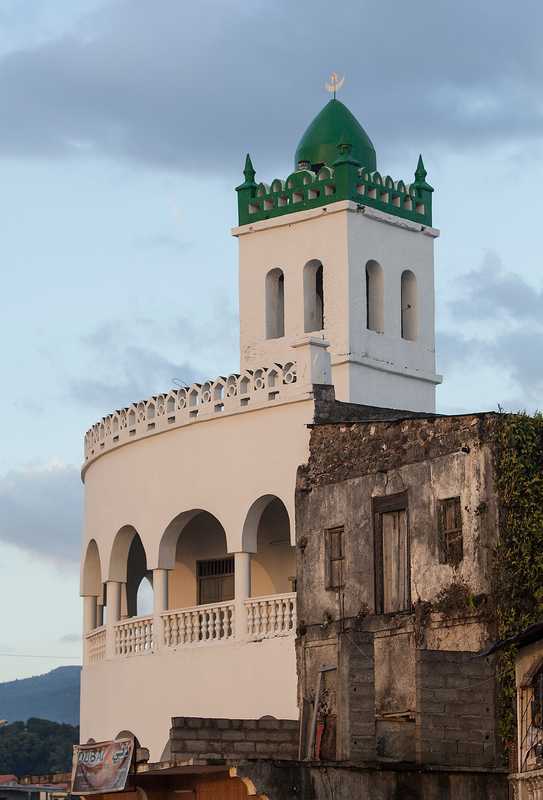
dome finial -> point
(334, 84)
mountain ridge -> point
(52, 696)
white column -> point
(113, 602)
(242, 591)
(89, 613)
(160, 598)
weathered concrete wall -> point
(382, 700)
(311, 782)
(350, 464)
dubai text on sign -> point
(101, 766)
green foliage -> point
(518, 589)
(36, 747)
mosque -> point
(193, 491)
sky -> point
(124, 129)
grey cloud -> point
(138, 373)
(40, 511)
(70, 638)
(125, 365)
(500, 302)
(492, 291)
(195, 85)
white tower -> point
(341, 253)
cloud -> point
(41, 511)
(493, 292)
(70, 638)
(195, 85)
(502, 328)
(124, 364)
(126, 372)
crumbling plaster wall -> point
(350, 464)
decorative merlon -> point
(253, 389)
(345, 180)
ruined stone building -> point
(320, 546)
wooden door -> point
(395, 561)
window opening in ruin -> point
(450, 539)
(334, 557)
(215, 580)
(392, 571)
(531, 724)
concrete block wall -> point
(456, 723)
(356, 698)
(203, 738)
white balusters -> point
(274, 615)
(199, 625)
(95, 645)
(134, 636)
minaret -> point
(339, 252)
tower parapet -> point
(346, 179)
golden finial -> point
(334, 84)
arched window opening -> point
(313, 296)
(145, 597)
(139, 581)
(410, 320)
(204, 570)
(273, 566)
(275, 304)
(375, 312)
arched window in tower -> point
(313, 296)
(375, 314)
(275, 304)
(410, 315)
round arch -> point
(194, 552)
(249, 538)
(118, 559)
(267, 535)
(91, 573)
(172, 532)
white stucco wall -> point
(368, 367)
(142, 693)
(221, 465)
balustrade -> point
(274, 615)
(266, 617)
(134, 636)
(95, 645)
(201, 624)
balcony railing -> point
(266, 617)
(134, 636)
(198, 625)
(274, 615)
(96, 645)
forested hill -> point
(36, 747)
(53, 696)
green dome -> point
(332, 126)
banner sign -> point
(101, 766)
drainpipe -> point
(242, 591)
